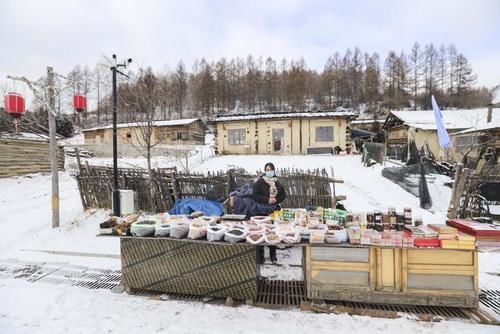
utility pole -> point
(53, 147)
(39, 89)
(116, 191)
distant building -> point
(365, 124)
(282, 132)
(177, 131)
(402, 127)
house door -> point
(278, 140)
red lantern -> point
(14, 104)
(80, 102)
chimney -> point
(490, 112)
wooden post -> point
(53, 147)
(452, 210)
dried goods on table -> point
(197, 230)
(273, 238)
(179, 229)
(144, 228)
(235, 235)
(216, 232)
(317, 236)
(255, 238)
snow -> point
(198, 154)
(366, 121)
(173, 122)
(453, 119)
(43, 309)
(77, 139)
(27, 236)
(228, 118)
(24, 136)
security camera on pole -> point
(116, 191)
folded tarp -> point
(190, 205)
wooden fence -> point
(158, 193)
(23, 156)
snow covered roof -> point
(172, 122)
(366, 121)
(310, 114)
(494, 124)
(453, 119)
(24, 136)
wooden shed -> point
(26, 153)
(402, 127)
(178, 131)
(282, 132)
(477, 140)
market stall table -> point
(345, 272)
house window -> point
(182, 136)
(463, 143)
(324, 133)
(236, 136)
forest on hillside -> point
(354, 79)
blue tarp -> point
(190, 205)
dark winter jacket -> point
(261, 191)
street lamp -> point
(116, 191)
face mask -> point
(270, 173)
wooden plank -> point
(339, 266)
(440, 256)
(404, 270)
(432, 269)
(388, 268)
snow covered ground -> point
(27, 236)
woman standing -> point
(268, 193)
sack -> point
(144, 228)
(235, 235)
(273, 238)
(163, 230)
(216, 233)
(179, 230)
(292, 237)
(256, 238)
(197, 230)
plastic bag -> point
(179, 230)
(216, 233)
(235, 235)
(144, 228)
(197, 230)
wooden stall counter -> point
(406, 276)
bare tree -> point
(144, 101)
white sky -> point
(35, 34)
